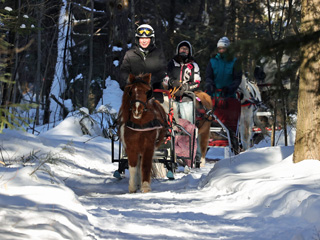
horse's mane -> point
(250, 90)
(125, 106)
(205, 99)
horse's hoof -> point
(145, 187)
(132, 190)
(170, 175)
(145, 190)
(117, 174)
(203, 162)
(186, 169)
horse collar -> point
(153, 124)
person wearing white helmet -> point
(223, 73)
(144, 57)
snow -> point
(9, 9)
(60, 185)
(59, 85)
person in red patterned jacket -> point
(183, 75)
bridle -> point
(149, 94)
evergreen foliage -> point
(258, 29)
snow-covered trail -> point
(258, 194)
(176, 209)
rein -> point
(207, 114)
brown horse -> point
(204, 111)
(142, 129)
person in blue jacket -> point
(223, 73)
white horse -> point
(250, 100)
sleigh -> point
(169, 153)
(224, 127)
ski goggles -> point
(145, 31)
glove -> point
(169, 82)
(225, 92)
(193, 86)
(166, 80)
(185, 87)
(210, 89)
(174, 83)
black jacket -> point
(136, 63)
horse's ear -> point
(131, 78)
(147, 78)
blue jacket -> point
(222, 75)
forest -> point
(56, 54)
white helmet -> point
(145, 30)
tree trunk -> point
(59, 80)
(39, 55)
(308, 119)
(86, 87)
(133, 21)
(16, 61)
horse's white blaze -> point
(136, 114)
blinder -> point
(149, 94)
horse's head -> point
(249, 90)
(139, 92)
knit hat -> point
(184, 43)
(223, 42)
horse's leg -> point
(146, 165)
(245, 123)
(138, 174)
(133, 160)
(204, 140)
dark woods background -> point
(100, 31)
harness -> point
(252, 100)
(203, 113)
(153, 124)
